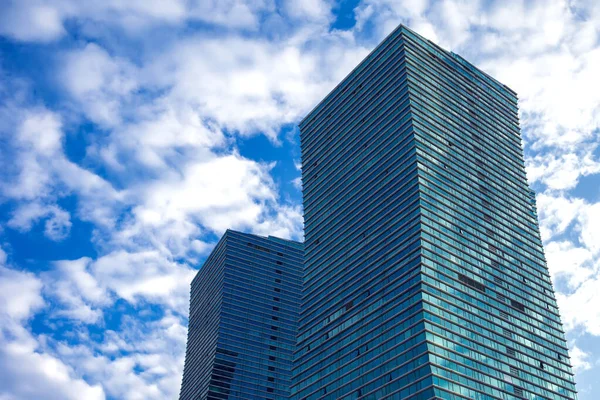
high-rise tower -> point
(243, 318)
(424, 270)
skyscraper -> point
(243, 317)
(424, 270)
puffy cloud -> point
(78, 292)
(41, 174)
(315, 10)
(579, 309)
(579, 359)
(562, 171)
(257, 85)
(38, 139)
(569, 261)
(144, 360)
(28, 371)
(19, 293)
(44, 21)
(99, 82)
(58, 222)
(557, 213)
(590, 229)
(145, 276)
(32, 21)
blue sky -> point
(132, 134)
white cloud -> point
(99, 82)
(73, 286)
(31, 21)
(580, 308)
(58, 221)
(145, 276)
(143, 361)
(256, 85)
(44, 21)
(19, 293)
(297, 182)
(579, 359)
(309, 10)
(216, 192)
(41, 174)
(590, 228)
(28, 371)
(58, 226)
(568, 261)
(30, 374)
(38, 139)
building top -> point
(500, 87)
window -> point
(272, 347)
(471, 282)
(275, 308)
(259, 247)
(279, 263)
(278, 271)
(517, 305)
(277, 290)
(271, 379)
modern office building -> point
(243, 318)
(424, 274)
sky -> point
(133, 133)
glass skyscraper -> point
(244, 309)
(424, 274)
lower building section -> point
(243, 320)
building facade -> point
(424, 276)
(244, 307)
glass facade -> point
(424, 272)
(244, 308)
